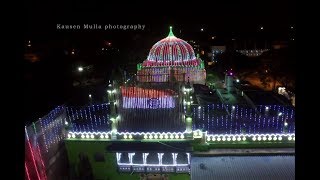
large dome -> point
(171, 51)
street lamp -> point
(90, 96)
(80, 69)
(201, 29)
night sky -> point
(48, 82)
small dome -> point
(171, 51)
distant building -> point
(252, 52)
(279, 44)
(216, 50)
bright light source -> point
(294, 138)
(264, 138)
(234, 138)
(261, 27)
(244, 138)
(182, 136)
(80, 69)
(69, 135)
(219, 139)
(280, 113)
(259, 138)
(201, 29)
(66, 123)
(233, 107)
(90, 96)
(237, 80)
(291, 27)
(130, 136)
(254, 138)
(92, 136)
(231, 74)
(87, 136)
(239, 139)
(82, 136)
(289, 138)
(285, 124)
(73, 136)
(101, 136)
(223, 138)
(267, 108)
(269, 138)
(213, 139)
(125, 136)
(199, 107)
(228, 139)
(280, 138)
(275, 138)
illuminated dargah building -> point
(156, 126)
(172, 59)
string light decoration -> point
(34, 166)
(249, 137)
(244, 119)
(135, 97)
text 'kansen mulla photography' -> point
(100, 27)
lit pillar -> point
(112, 101)
(188, 100)
(130, 155)
(144, 156)
(118, 155)
(160, 158)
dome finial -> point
(171, 33)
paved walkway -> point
(260, 151)
(272, 167)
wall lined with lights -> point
(43, 140)
(34, 165)
(265, 119)
(146, 136)
(213, 138)
(89, 118)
